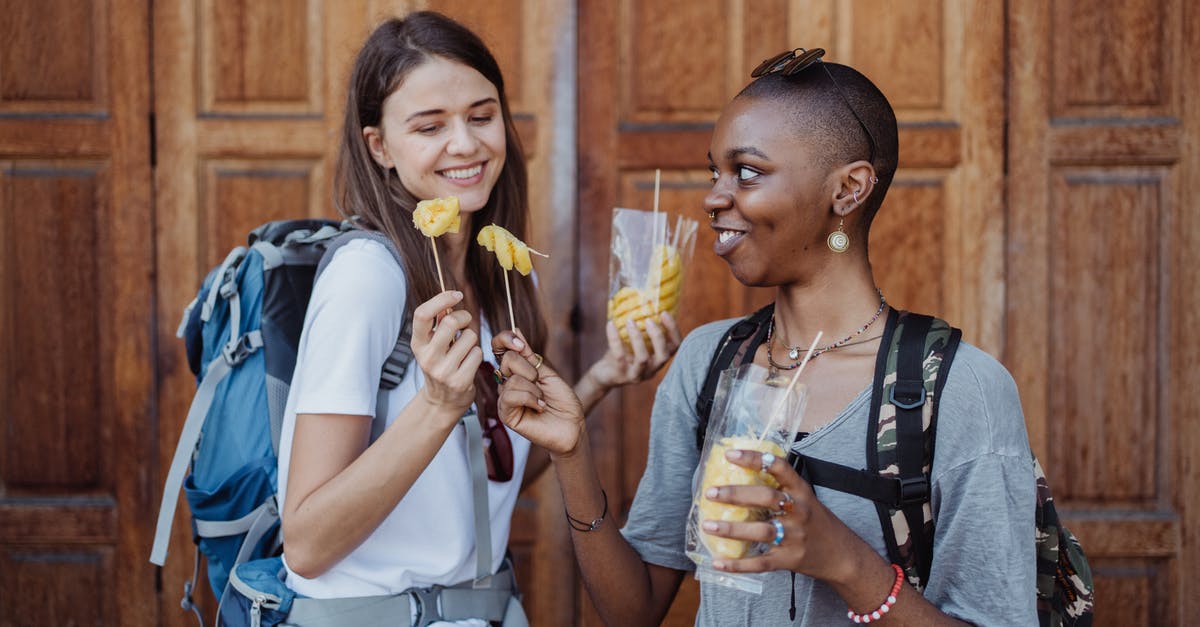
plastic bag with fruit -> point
(752, 410)
(650, 253)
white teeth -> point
(463, 173)
(725, 236)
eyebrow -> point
(477, 103)
(734, 153)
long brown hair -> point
(374, 197)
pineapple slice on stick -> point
(434, 218)
(512, 253)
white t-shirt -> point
(353, 320)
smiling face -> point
(443, 132)
(770, 193)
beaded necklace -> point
(794, 352)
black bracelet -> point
(579, 525)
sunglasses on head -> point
(789, 63)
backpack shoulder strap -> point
(909, 377)
(737, 343)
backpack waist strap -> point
(433, 604)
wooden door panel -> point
(1101, 242)
(76, 381)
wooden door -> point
(1102, 286)
(654, 77)
(249, 99)
(76, 339)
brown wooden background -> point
(1050, 157)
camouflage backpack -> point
(902, 432)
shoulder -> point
(695, 353)
(364, 272)
(980, 398)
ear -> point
(373, 135)
(854, 183)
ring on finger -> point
(500, 378)
(538, 364)
(785, 504)
(778, 532)
(768, 460)
(499, 353)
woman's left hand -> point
(814, 541)
(625, 363)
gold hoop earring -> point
(838, 241)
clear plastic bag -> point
(751, 410)
(650, 255)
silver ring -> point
(778, 532)
(767, 460)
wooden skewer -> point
(438, 263)
(512, 322)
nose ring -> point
(712, 215)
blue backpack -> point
(242, 332)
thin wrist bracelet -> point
(584, 526)
(887, 603)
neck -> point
(837, 305)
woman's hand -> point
(623, 363)
(534, 400)
(815, 542)
(449, 354)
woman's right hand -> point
(448, 352)
(535, 401)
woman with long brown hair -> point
(426, 117)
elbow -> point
(302, 558)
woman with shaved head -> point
(801, 161)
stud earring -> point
(838, 241)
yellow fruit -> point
(437, 216)
(661, 292)
(718, 472)
(510, 251)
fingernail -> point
(517, 343)
(731, 455)
(711, 493)
(710, 526)
(457, 294)
(541, 403)
(718, 564)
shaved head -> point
(821, 116)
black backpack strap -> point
(909, 377)
(738, 341)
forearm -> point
(623, 588)
(330, 521)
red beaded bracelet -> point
(887, 604)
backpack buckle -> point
(912, 490)
(908, 394)
(428, 606)
(236, 352)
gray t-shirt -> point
(983, 497)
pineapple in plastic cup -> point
(719, 471)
